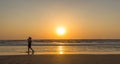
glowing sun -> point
(60, 30)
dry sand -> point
(60, 59)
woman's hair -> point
(29, 38)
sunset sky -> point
(81, 19)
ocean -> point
(63, 46)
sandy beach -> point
(60, 59)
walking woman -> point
(29, 45)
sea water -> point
(19, 47)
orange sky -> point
(88, 19)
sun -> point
(60, 30)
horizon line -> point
(70, 39)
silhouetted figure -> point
(29, 45)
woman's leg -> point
(32, 50)
(28, 51)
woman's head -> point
(29, 38)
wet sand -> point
(60, 59)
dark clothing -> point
(29, 40)
(29, 45)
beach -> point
(15, 52)
(61, 59)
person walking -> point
(30, 45)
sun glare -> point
(60, 31)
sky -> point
(82, 19)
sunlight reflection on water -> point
(91, 49)
(60, 49)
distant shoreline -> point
(67, 40)
(53, 39)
